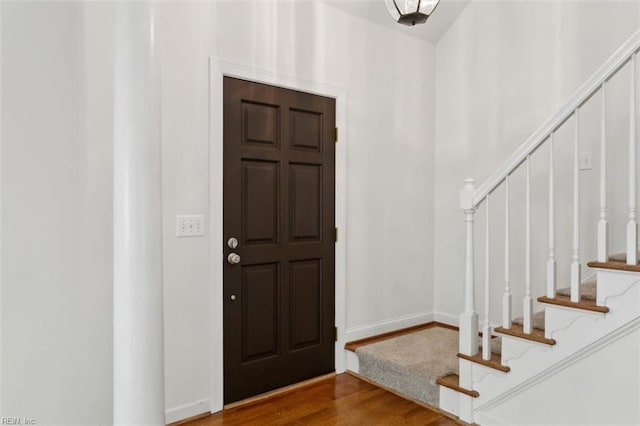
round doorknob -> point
(233, 258)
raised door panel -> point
(261, 124)
(305, 284)
(306, 130)
(305, 202)
(260, 202)
(260, 318)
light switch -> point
(584, 161)
(191, 225)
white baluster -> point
(551, 261)
(603, 231)
(528, 301)
(486, 330)
(469, 318)
(575, 264)
(632, 226)
(506, 297)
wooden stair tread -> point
(584, 304)
(495, 362)
(452, 381)
(620, 266)
(517, 330)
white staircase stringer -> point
(574, 331)
(483, 414)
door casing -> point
(217, 70)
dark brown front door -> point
(279, 173)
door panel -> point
(260, 322)
(306, 130)
(279, 202)
(261, 124)
(260, 202)
(306, 294)
(305, 202)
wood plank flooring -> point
(337, 400)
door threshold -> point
(277, 392)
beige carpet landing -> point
(410, 364)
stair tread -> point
(584, 304)
(587, 290)
(495, 362)
(452, 381)
(516, 330)
(616, 261)
(620, 266)
(538, 320)
(496, 345)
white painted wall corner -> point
(387, 326)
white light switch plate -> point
(584, 161)
(191, 225)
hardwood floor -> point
(337, 400)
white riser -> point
(612, 284)
(449, 400)
(352, 362)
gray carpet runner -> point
(410, 364)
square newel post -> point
(469, 317)
(468, 343)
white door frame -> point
(217, 70)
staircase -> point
(572, 325)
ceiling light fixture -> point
(411, 12)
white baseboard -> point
(187, 410)
(386, 326)
(446, 318)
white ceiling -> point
(375, 10)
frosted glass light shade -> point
(411, 12)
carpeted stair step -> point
(495, 362)
(620, 257)
(536, 335)
(538, 320)
(496, 345)
(587, 298)
(410, 364)
(587, 290)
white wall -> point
(56, 212)
(501, 70)
(57, 81)
(602, 388)
(389, 139)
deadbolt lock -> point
(232, 243)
